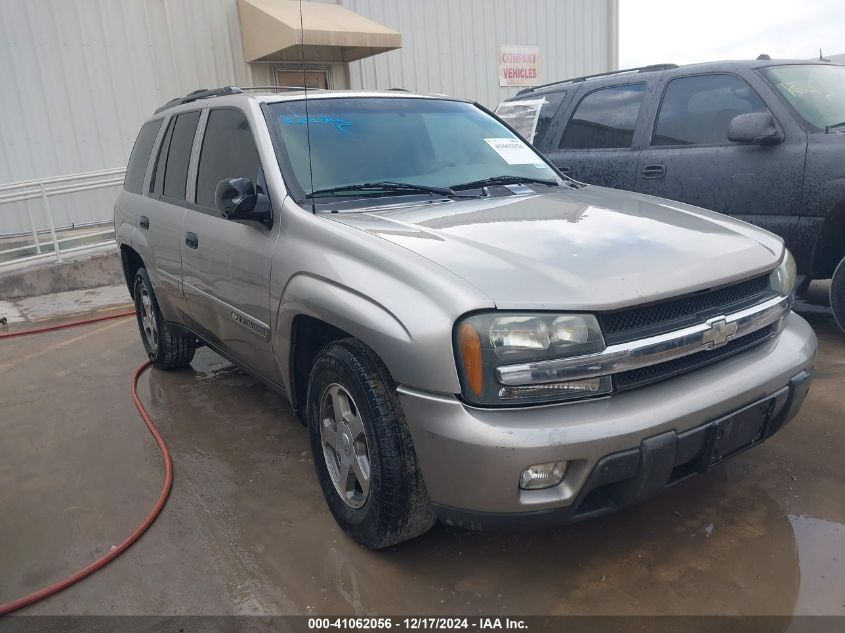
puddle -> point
(821, 559)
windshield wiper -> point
(406, 187)
(828, 128)
(503, 180)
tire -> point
(837, 294)
(166, 349)
(395, 506)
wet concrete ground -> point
(246, 529)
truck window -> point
(170, 174)
(605, 118)
(427, 142)
(816, 91)
(157, 178)
(531, 117)
(228, 151)
(697, 110)
(140, 156)
(179, 154)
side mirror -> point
(756, 128)
(236, 199)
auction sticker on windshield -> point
(513, 151)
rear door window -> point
(170, 174)
(531, 117)
(228, 151)
(606, 118)
(157, 178)
(140, 156)
(697, 110)
(179, 155)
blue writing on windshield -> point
(296, 119)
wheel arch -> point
(314, 310)
(308, 336)
(130, 261)
(830, 245)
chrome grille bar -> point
(714, 333)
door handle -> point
(654, 171)
(144, 222)
(191, 240)
(565, 170)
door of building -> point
(312, 78)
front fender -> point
(414, 355)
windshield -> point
(817, 92)
(424, 142)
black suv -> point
(762, 140)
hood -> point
(579, 249)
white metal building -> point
(79, 76)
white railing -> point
(49, 238)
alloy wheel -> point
(344, 445)
(148, 320)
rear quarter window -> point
(531, 118)
(140, 156)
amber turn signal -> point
(470, 344)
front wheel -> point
(837, 295)
(165, 348)
(362, 449)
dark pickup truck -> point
(762, 140)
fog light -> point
(542, 476)
(564, 390)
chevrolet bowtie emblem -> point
(719, 334)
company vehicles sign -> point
(519, 65)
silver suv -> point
(468, 334)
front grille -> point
(661, 371)
(630, 324)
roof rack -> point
(202, 93)
(280, 88)
(639, 69)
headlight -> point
(783, 277)
(487, 341)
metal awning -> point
(332, 33)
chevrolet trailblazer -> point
(467, 334)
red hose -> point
(61, 326)
(162, 499)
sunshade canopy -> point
(330, 32)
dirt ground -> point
(246, 530)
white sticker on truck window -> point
(522, 115)
(513, 151)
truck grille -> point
(629, 324)
(661, 371)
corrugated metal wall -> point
(451, 46)
(79, 76)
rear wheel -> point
(165, 348)
(362, 449)
(837, 295)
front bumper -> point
(621, 449)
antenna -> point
(307, 117)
